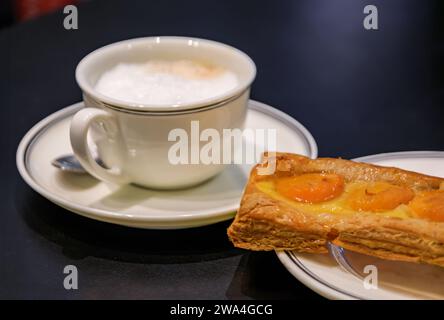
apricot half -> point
(429, 205)
(378, 196)
(311, 187)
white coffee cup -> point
(132, 139)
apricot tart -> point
(381, 211)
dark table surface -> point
(359, 92)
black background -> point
(359, 92)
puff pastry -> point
(269, 220)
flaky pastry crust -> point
(265, 223)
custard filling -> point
(320, 193)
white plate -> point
(396, 280)
(213, 201)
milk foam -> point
(165, 82)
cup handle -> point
(80, 124)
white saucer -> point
(211, 202)
(397, 280)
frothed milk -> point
(169, 82)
